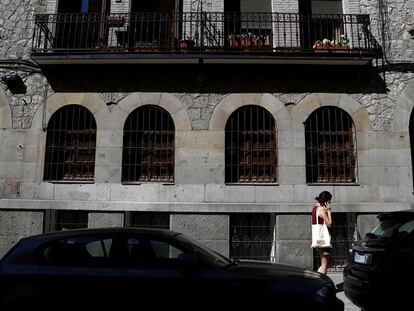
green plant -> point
(343, 40)
(325, 43)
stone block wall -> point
(211, 230)
(105, 220)
(15, 225)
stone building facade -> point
(200, 98)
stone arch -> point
(404, 108)
(404, 117)
(170, 103)
(56, 101)
(232, 102)
(5, 111)
(310, 103)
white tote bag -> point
(320, 235)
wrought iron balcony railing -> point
(201, 32)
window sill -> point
(333, 184)
(147, 182)
(252, 184)
(69, 182)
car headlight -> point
(326, 291)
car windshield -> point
(393, 228)
(206, 253)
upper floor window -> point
(148, 148)
(251, 146)
(330, 147)
(70, 145)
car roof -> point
(395, 214)
(111, 230)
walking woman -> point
(321, 214)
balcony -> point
(200, 37)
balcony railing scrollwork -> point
(202, 32)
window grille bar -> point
(251, 236)
(70, 145)
(330, 144)
(251, 146)
(148, 149)
(56, 220)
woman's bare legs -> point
(324, 264)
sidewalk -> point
(337, 277)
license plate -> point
(362, 258)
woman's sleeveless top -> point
(320, 219)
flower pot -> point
(186, 44)
(340, 49)
(234, 43)
(322, 49)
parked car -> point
(148, 266)
(380, 273)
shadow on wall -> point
(246, 78)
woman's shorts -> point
(324, 251)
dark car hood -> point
(291, 274)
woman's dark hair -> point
(324, 196)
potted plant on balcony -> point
(152, 46)
(234, 41)
(322, 46)
(342, 46)
(187, 44)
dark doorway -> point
(232, 18)
(152, 23)
(79, 23)
(305, 16)
(83, 6)
(154, 6)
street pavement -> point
(337, 277)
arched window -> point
(330, 146)
(148, 147)
(70, 145)
(251, 146)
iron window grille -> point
(251, 236)
(70, 145)
(330, 147)
(159, 220)
(148, 147)
(57, 220)
(250, 140)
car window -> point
(99, 248)
(407, 230)
(393, 228)
(164, 250)
(76, 251)
(153, 251)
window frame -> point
(72, 162)
(248, 144)
(154, 153)
(331, 160)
